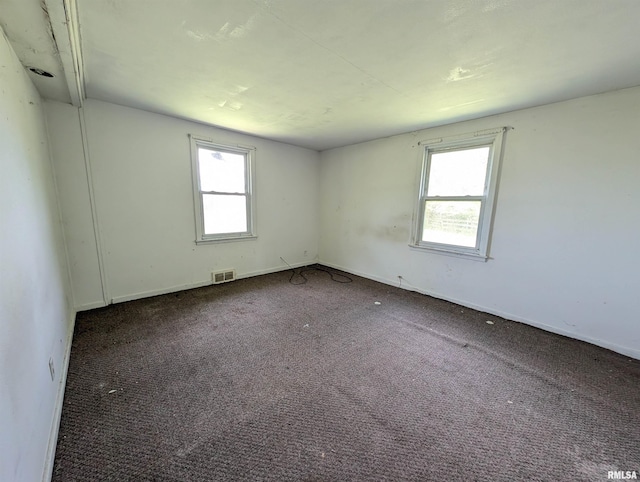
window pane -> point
(458, 173)
(451, 222)
(224, 214)
(221, 171)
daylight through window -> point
(457, 192)
(222, 191)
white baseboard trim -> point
(199, 284)
(276, 269)
(162, 291)
(57, 409)
(623, 350)
(91, 306)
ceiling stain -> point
(200, 36)
(459, 73)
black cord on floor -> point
(337, 277)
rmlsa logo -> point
(622, 474)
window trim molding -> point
(495, 139)
(249, 153)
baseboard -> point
(276, 269)
(200, 284)
(162, 291)
(57, 409)
(91, 306)
(623, 350)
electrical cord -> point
(334, 276)
(337, 277)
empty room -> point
(319, 241)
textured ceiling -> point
(322, 74)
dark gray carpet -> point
(259, 379)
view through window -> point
(454, 196)
(224, 196)
(457, 193)
(222, 182)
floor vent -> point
(223, 276)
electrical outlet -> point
(52, 369)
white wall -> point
(564, 251)
(36, 319)
(67, 150)
(141, 172)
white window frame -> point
(198, 195)
(492, 138)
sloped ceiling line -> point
(63, 15)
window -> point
(223, 194)
(457, 193)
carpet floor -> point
(261, 379)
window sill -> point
(225, 239)
(450, 252)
